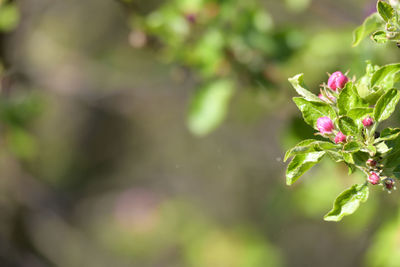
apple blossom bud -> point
(337, 80)
(325, 125)
(389, 183)
(371, 162)
(367, 121)
(340, 138)
(191, 18)
(373, 178)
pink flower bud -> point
(371, 162)
(389, 183)
(191, 17)
(337, 80)
(373, 178)
(340, 138)
(367, 121)
(325, 125)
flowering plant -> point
(347, 114)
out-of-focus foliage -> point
(231, 40)
(9, 16)
(97, 167)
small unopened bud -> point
(367, 121)
(340, 138)
(371, 162)
(325, 125)
(389, 183)
(191, 17)
(373, 178)
(337, 80)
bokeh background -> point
(151, 134)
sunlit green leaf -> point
(358, 114)
(300, 164)
(309, 145)
(347, 202)
(385, 10)
(349, 99)
(388, 134)
(352, 146)
(386, 105)
(379, 37)
(298, 84)
(348, 126)
(313, 110)
(385, 77)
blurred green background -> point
(151, 133)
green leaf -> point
(386, 105)
(379, 37)
(298, 84)
(393, 159)
(348, 126)
(335, 156)
(385, 77)
(352, 146)
(371, 24)
(313, 110)
(9, 17)
(309, 145)
(347, 202)
(358, 114)
(382, 148)
(348, 157)
(363, 83)
(209, 107)
(349, 99)
(385, 10)
(300, 164)
(388, 134)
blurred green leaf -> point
(9, 17)
(209, 106)
(371, 24)
(347, 202)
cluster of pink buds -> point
(325, 126)
(388, 183)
